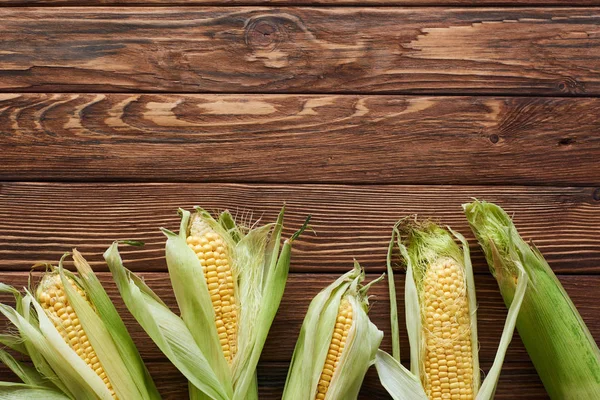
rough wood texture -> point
(366, 3)
(244, 49)
(516, 382)
(312, 138)
(518, 373)
(40, 221)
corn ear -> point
(251, 262)
(305, 380)
(441, 319)
(165, 328)
(67, 310)
(560, 345)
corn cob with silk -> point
(560, 345)
(441, 319)
(337, 343)
(75, 339)
(228, 281)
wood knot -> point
(494, 138)
(264, 33)
(596, 194)
(566, 141)
(570, 85)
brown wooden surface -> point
(259, 49)
(40, 221)
(116, 112)
(367, 3)
(313, 138)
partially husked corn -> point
(448, 372)
(52, 297)
(213, 253)
(336, 347)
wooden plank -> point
(310, 138)
(301, 288)
(303, 50)
(366, 3)
(517, 381)
(40, 221)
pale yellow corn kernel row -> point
(53, 299)
(447, 330)
(336, 347)
(214, 258)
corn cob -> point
(441, 319)
(447, 331)
(336, 321)
(213, 254)
(336, 347)
(53, 299)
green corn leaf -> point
(23, 391)
(400, 383)
(111, 319)
(26, 374)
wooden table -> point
(113, 113)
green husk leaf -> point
(13, 342)
(400, 383)
(561, 347)
(395, 327)
(166, 329)
(488, 387)
(126, 349)
(101, 340)
(26, 374)
(193, 298)
(256, 319)
(24, 391)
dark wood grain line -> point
(40, 221)
(288, 138)
(314, 3)
(517, 381)
(302, 287)
(542, 51)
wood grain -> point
(366, 3)
(542, 51)
(40, 221)
(309, 138)
(517, 381)
(302, 287)
(355, 3)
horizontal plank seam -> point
(447, 5)
(422, 93)
(308, 94)
(550, 185)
